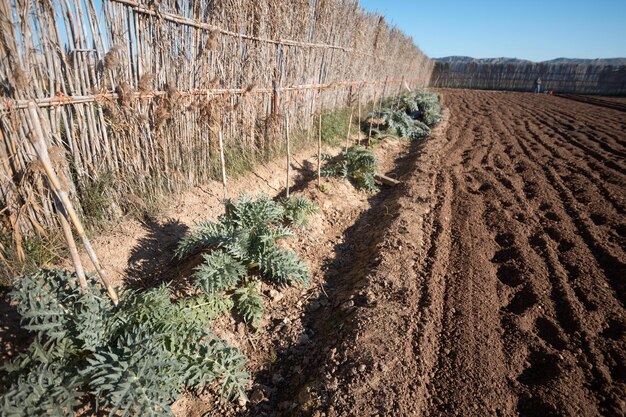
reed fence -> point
(148, 96)
(560, 77)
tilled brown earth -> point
(617, 103)
(497, 287)
(533, 307)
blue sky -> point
(534, 30)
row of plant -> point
(137, 358)
(408, 116)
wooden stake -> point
(348, 134)
(399, 93)
(222, 161)
(359, 105)
(369, 134)
(350, 119)
(288, 154)
(275, 100)
(69, 238)
(385, 179)
(319, 151)
(380, 102)
(38, 142)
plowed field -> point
(536, 269)
(498, 287)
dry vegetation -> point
(139, 96)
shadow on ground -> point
(329, 317)
(151, 262)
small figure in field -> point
(538, 85)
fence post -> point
(288, 154)
(349, 102)
(319, 148)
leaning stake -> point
(37, 139)
(69, 238)
(222, 161)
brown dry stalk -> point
(159, 93)
(65, 205)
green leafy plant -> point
(398, 123)
(407, 116)
(249, 302)
(41, 390)
(298, 209)
(134, 359)
(356, 164)
(240, 249)
(428, 106)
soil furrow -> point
(549, 350)
(584, 117)
(614, 268)
(489, 283)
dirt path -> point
(497, 287)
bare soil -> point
(498, 286)
(616, 103)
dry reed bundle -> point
(144, 115)
(562, 77)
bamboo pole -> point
(288, 154)
(60, 100)
(319, 151)
(349, 101)
(222, 161)
(380, 103)
(359, 105)
(38, 142)
(69, 238)
(369, 133)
